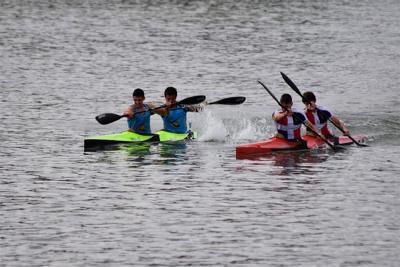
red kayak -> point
(279, 144)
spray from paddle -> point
(220, 126)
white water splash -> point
(221, 126)
(213, 128)
(250, 130)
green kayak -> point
(166, 136)
(129, 137)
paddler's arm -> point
(129, 111)
(194, 108)
(161, 111)
(339, 123)
(311, 126)
(152, 107)
(279, 115)
(191, 108)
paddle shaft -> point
(297, 90)
(107, 118)
(187, 101)
(294, 115)
(235, 100)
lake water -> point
(194, 204)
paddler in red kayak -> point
(319, 117)
(138, 114)
(174, 116)
(288, 121)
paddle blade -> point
(107, 118)
(235, 100)
(291, 84)
(193, 100)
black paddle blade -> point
(193, 100)
(291, 84)
(235, 100)
(107, 118)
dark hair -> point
(138, 92)
(308, 97)
(171, 91)
(286, 99)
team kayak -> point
(129, 137)
(279, 144)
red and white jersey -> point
(290, 126)
(319, 118)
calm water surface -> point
(64, 62)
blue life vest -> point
(140, 122)
(175, 120)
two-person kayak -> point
(129, 137)
(278, 144)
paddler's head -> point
(138, 97)
(170, 95)
(309, 100)
(286, 101)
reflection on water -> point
(138, 154)
(171, 153)
(134, 149)
(297, 162)
(142, 153)
(137, 150)
(292, 162)
(173, 149)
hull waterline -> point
(278, 144)
(132, 138)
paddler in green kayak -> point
(173, 115)
(139, 113)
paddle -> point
(107, 118)
(235, 100)
(314, 132)
(294, 87)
